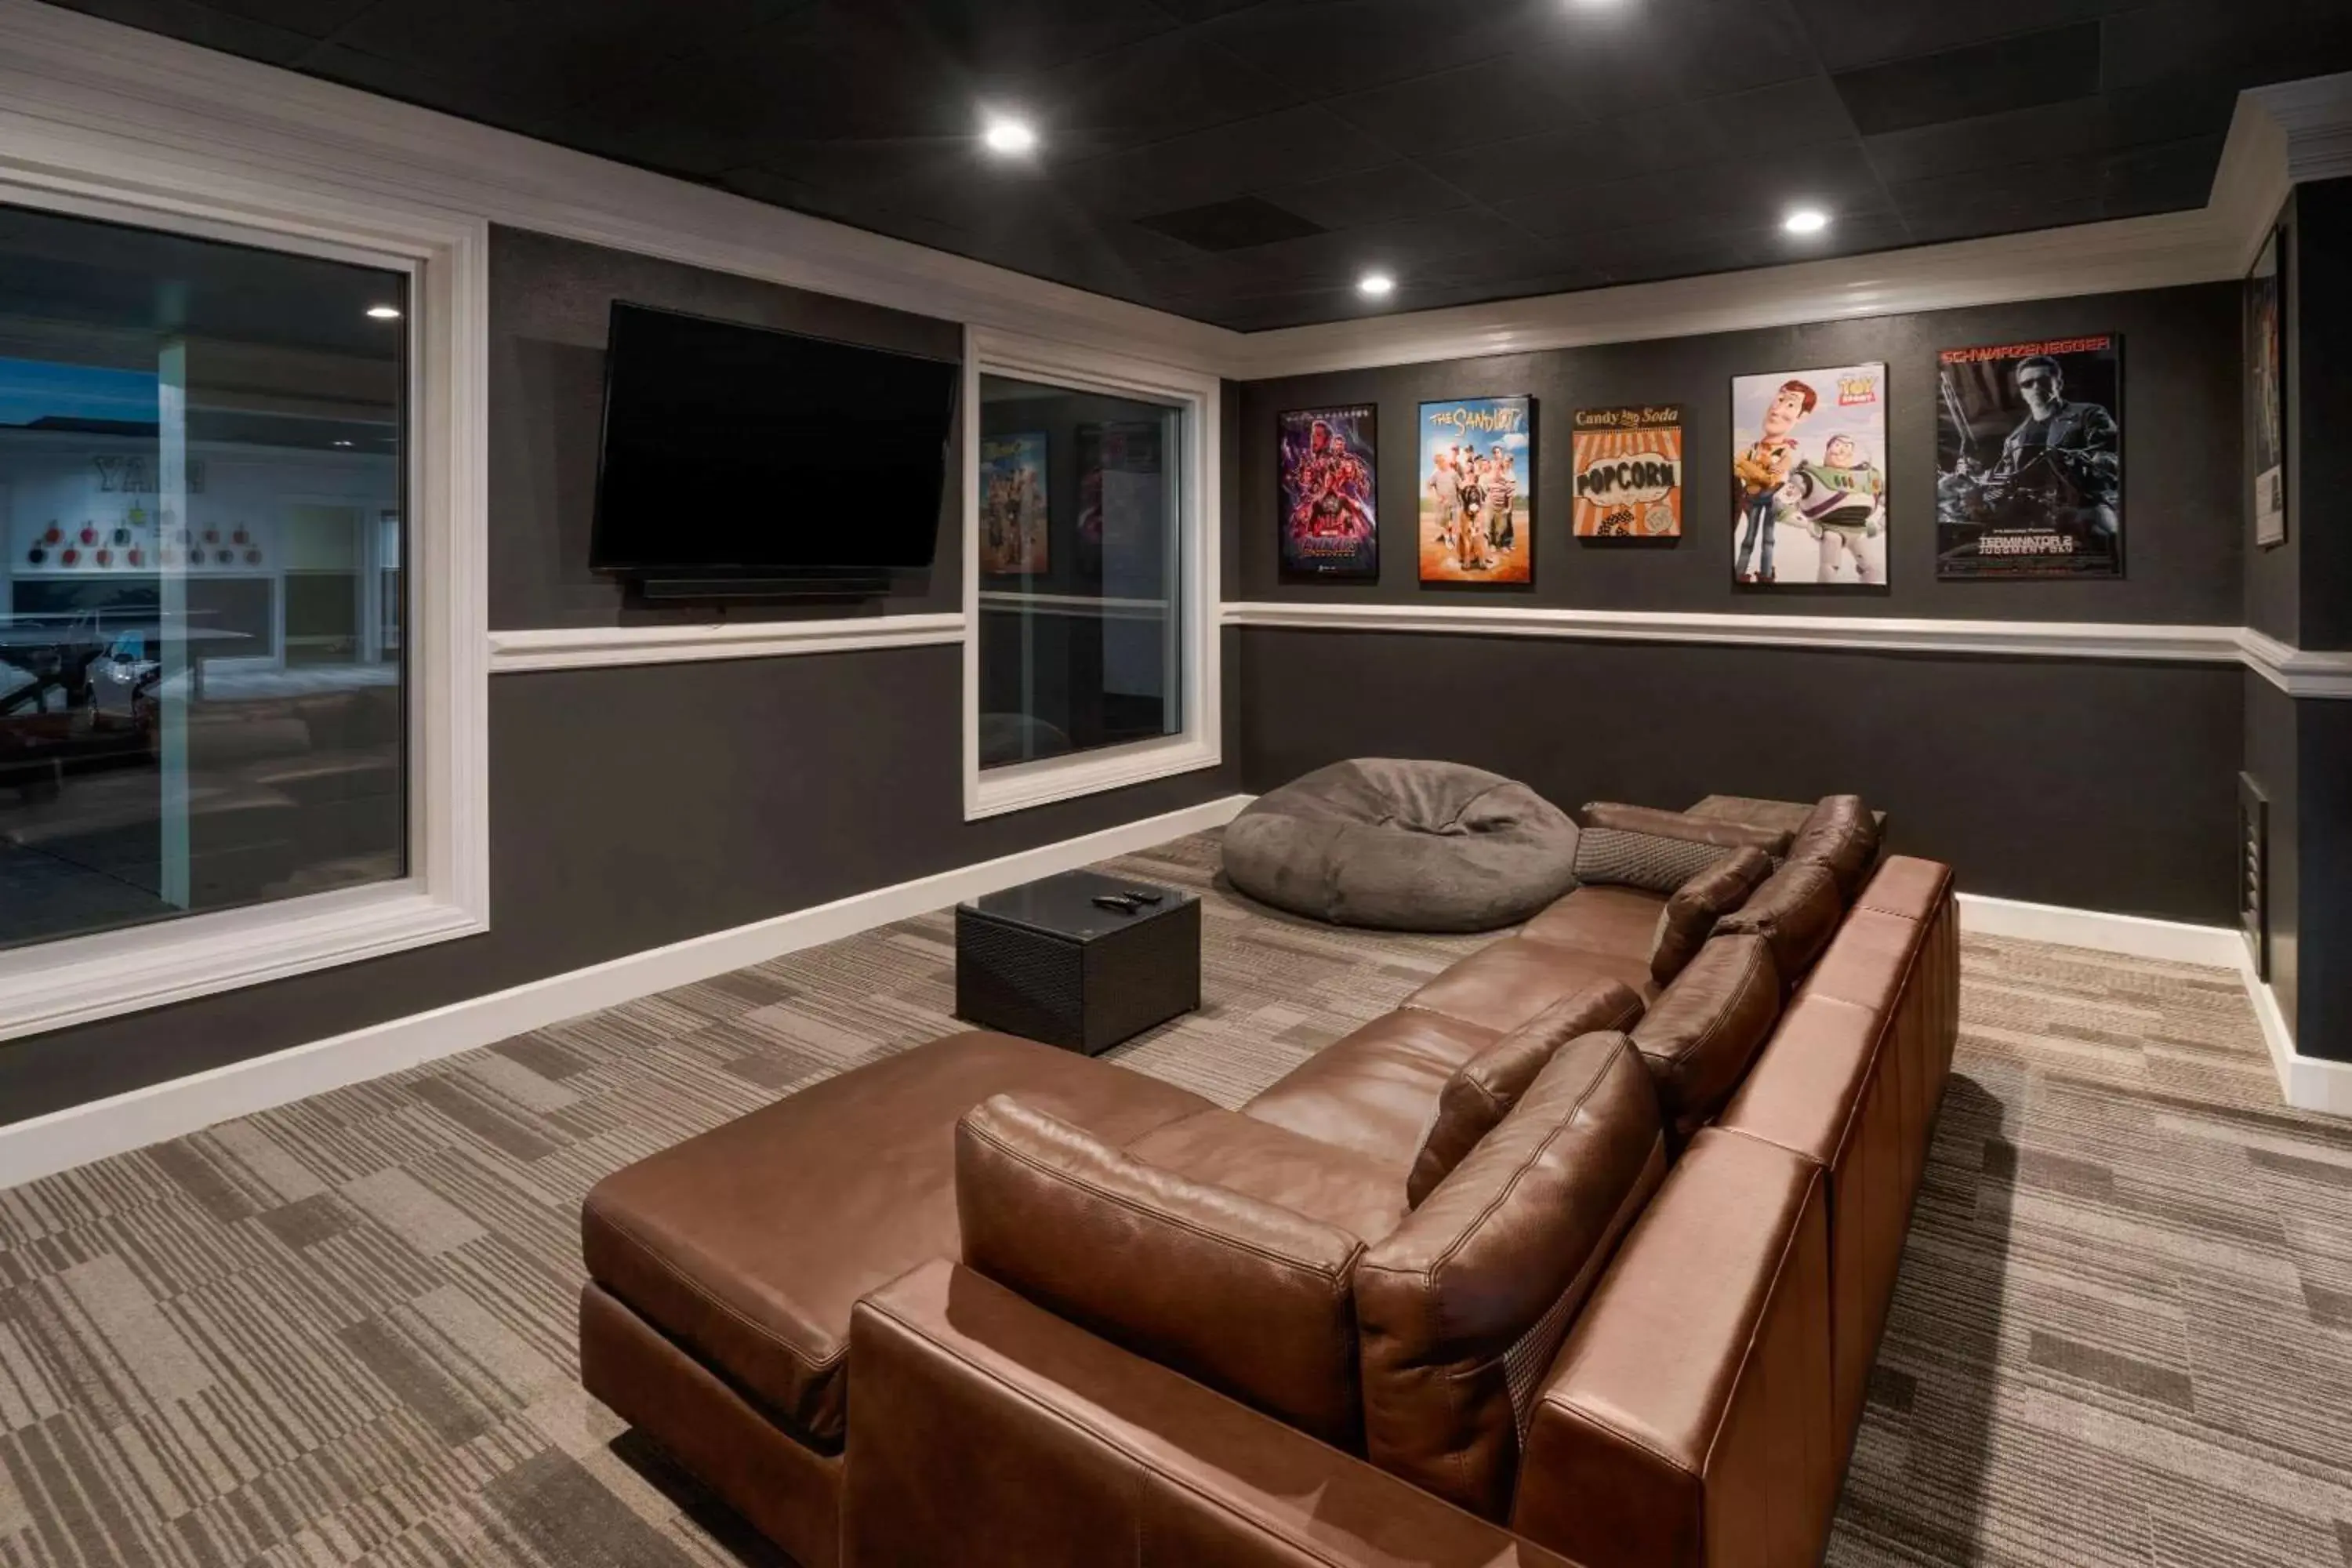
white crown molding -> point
(63, 1138)
(605, 647)
(80, 80)
(2052, 639)
(2315, 118)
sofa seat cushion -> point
(1353, 1192)
(1619, 921)
(1403, 846)
(1462, 1308)
(1374, 1091)
(1502, 986)
(749, 1244)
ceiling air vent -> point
(2021, 72)
(1235, 225)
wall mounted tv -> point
(747, 459)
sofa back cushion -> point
(1462, 1308)
(1842, 833)
(1690, 914)
(1661, 823)
(1702, 1034)
(1482, 1089)
(1246, 1296)
(1797, 909)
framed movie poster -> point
(2029, 460)
(1122, 508)
(1809, 476)
(1629, 472)
(1013, 505)
(1478, 491)
(1330, 505)
(2266, 375)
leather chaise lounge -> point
(1581, 1255)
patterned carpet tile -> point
(341, 1333)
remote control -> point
(1118, 902)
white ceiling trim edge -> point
(2300, 672)
(204, 118)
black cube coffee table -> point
(1045, 961)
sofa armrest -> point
(1686, 1422)
(986, 1431)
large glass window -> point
(200, 488)
(1080, 559)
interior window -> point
(201, 483)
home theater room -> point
(1175, 784)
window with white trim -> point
(241, 729)
(1090, 659)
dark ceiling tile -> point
(1293, 145)
(1850, 33)
(209, 26)
(1019, 38)
(2159, 179)
(1725, 196)
(1990, 141)
(1976, 79)
(1706, 48)
(1162, 86)
(1319, 49)
(1799, 115)
(529, 107)
(1933, 224)
(1521, 94)
(2247, 42)
(1367, 197)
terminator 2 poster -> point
(2028, 459)
(1330, 510)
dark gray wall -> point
(2099, 785)
(2323, 899)
(2095, 784)
(2182, 475)
(2319, 441)
(551, 305)
(630, 807)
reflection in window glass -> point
(200, 613)
(1080, 543)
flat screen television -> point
(733, 451)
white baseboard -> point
(2309, 1083)
(80, 1133)
(2175, 940)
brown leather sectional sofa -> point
(1579, 1256)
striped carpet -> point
(342, 1331)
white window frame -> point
(75, 980)
(1201, 743)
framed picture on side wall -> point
(1808, 477)
(1477, 490)
(1012, 515)
(1629, 472)
(2266, 378)
(2029, 460)
(1327, 460)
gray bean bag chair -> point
(1403, 846)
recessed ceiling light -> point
(1376, 285)
(1008, 136)
(383, 312)
(342, 443)
(1805, 220)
